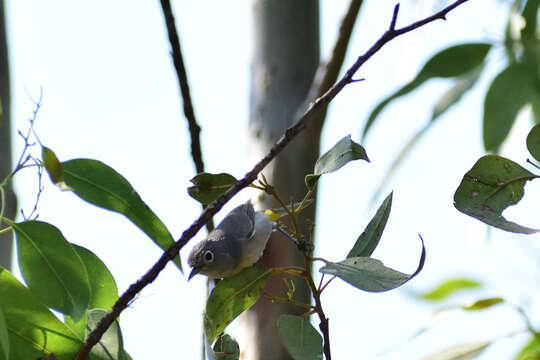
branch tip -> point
(394, 17)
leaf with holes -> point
(493, 184)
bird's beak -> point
(194, 272)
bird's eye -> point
(208, 256)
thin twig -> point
(526, 319)
(394, 17)
(320, 104)
(26, 138)
(183, 83)
(178, 60)
(273, 298)
(327, 283)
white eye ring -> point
(208, 256)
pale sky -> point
(110, 93)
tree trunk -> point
(285, 59)
(5, 140)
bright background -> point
(110, 93)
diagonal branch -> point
(340, 47)
(326, 76)
(318, 105)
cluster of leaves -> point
(70, 279)
(494, 183)
(513, 88)
(65, 277)
(233, 295)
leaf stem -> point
(288, 301)
(533, 164)
(500, 186)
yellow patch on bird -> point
(273, 214)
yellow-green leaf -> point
(449, 287)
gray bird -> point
(236, 243)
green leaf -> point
(511, 89)
(4, 337)
(208, 187)
(103, 290)
(36, 332)
(531, 350)
(462, 84)
(338, 156)
(111, 345)
(231, 297)
(52, 165)
(493, 184)
(453, 95)
(51, 268)
(370, 274)
(451, 62)
(299, 337)
(450, 287)
(483, 304)
(461, 352)
(102, 186)
(529, 38)
(533, 142)
(369, 239)
(225, 348)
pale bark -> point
(285, 59)
(5, 139)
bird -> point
(236, 243)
